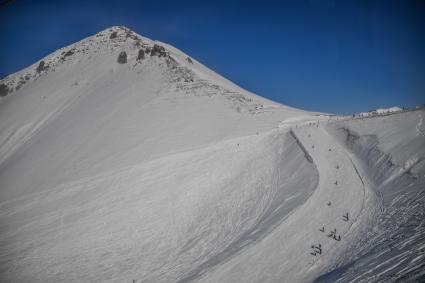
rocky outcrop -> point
(140, 55)
(122, 57)
(113, 35)
(159, 51)
(42, 67)
(4, 90)
(67, 53)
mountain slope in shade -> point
(148, 166)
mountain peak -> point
(119, 32)
(116, 46)
(111, 41)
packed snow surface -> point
(148, 166)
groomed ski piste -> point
(157, 169)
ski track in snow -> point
(316, 145)
(267, 225)
(306, 134)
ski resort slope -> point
(157, 169)
(391, 149)
(341, 190)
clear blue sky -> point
(329, 56)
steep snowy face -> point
(113, 100)
(388, 147)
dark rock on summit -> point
(141, 54)
(158, 50)
(42, 67)
(113, 35)
(69, 53)
(122, 58)
(4, 90)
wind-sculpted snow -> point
(394, 250)
(306, 154)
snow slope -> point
(392, 151)
(160, 170)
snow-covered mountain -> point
(122, 158)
